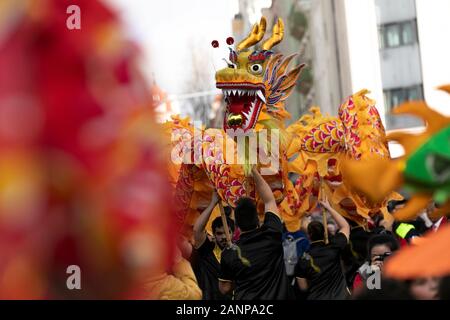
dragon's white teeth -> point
(243, 92)
(261, 96)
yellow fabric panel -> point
(181, 285)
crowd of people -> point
(245, 259)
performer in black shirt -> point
(207, 254)
(254, 266)
(319, 271)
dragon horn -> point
(415, 204)
(445, 88)
(433, 119)
(276, 37)
(254, 36)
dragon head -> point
(255, 83)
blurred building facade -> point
(389, 47)
(401, 67)
(393, 48)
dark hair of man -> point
(246, 215)
(217, 223)
(227, 211)
(316, 231)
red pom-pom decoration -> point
(215, 43)
(230, 41)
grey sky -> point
(166, 30)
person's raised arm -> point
(202, 220)
(343, 225)
(265, 192)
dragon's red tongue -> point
(238, 104)
(236, 107)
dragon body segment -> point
(255, 86)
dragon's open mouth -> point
(244, 102)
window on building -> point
(394, 97)
(415, 93)
(409, 33)
(397, 34)
(392, 37)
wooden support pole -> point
(324, 213)
(325, 225)
(225, 223)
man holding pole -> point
(254, 266)
(207, 254)
(319, 271)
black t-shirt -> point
(355, 253)
(321, 266)
(265, 278)
(206, 269)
